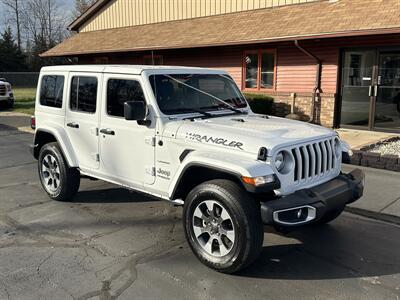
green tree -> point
(11, 58)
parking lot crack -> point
(17, 184)
(127, 275)
(44, 261)
(18, 165)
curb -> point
(373, 215)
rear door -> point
(127, 149)
(82, 117)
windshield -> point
(186, 93)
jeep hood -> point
(250, 132)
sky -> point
(68, 5)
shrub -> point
(260, 104)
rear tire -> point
(223, 225)
(59, 181)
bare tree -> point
(45, 20)
(15, 7)
(81, 6)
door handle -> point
(73, 125)
(107, 131)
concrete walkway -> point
(381, 198)
(15, 122)
(360, 138)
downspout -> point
(316, 96)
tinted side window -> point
(83, 94)
(52, 90)
(120, 91)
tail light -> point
(33, 122)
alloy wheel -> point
(51, 173)
(213, 228)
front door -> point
(387, 106)
(357, 87)
(82, 118)
(127, 149)
(371, 89)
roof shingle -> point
(318, 19)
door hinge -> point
(151, 171)
(95, 131)
(95, 156)
(151, 140)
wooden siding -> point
(122, 13)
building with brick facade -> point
(338, 61)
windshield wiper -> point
(190, 110)
(227, 106)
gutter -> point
(316, 96)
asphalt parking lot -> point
(114, 244)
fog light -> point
(260, 180)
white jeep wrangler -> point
(6, 93)
(187, 135)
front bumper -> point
(7, 98)
(310, 205)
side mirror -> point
(135, 110)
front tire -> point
(223, 225)
(10, 103)
(59, 181)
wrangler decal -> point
(213, 140)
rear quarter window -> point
(52, 91)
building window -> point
(153, 60)
(52, 91)
(120, 91)
(83, 95)
(259, 69)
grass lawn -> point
(24, 100)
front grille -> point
(314, 160)
(2, 90)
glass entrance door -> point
(387, 92)
(357, 87)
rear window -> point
(52, 90)
(83, 96)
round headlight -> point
(280, 161)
